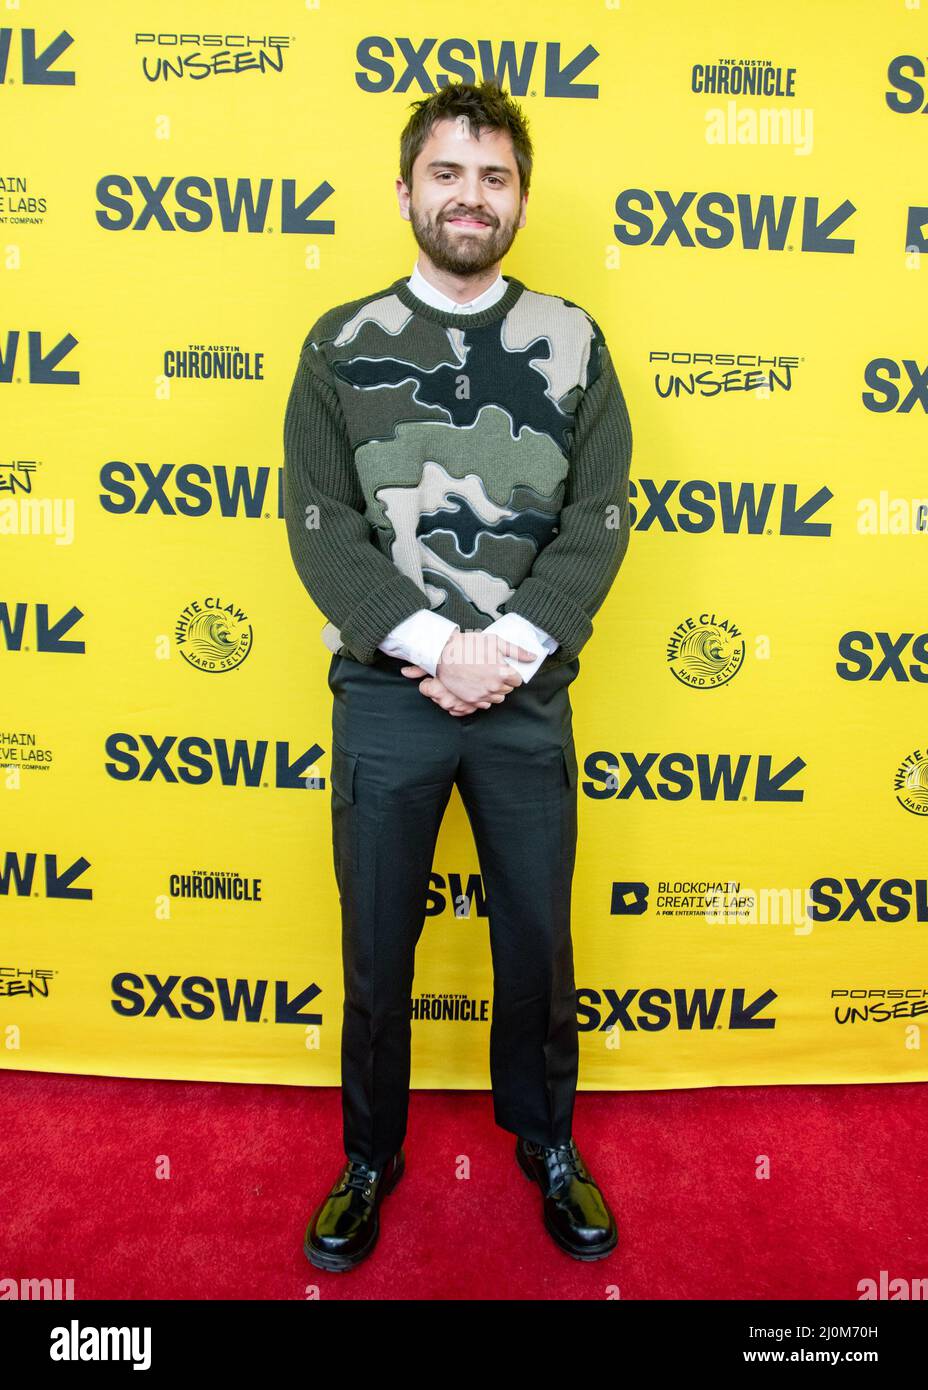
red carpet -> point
(81, 1199)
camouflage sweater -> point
(477, 465)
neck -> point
(461, 288)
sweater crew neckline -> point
(448, 318)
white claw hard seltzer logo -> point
(911, 782)
(213, 635)
(705, 651)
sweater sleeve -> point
(350, 580)
(573, 573)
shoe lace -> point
(568, 1157)
(562, 1162)
(360, 1176)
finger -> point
(520, 653)
(414, 671)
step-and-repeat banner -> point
(739, 196)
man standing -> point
(457, 451)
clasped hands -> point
(471, 673)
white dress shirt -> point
(421, 638)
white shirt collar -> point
(424, 290)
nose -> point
(470, 196)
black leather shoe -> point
(575, 1212)
(343, 1229)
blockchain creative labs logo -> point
(705, 651)
(712, 900)
(213, 635)
(23, 750)
(911, 782)
(20, 201)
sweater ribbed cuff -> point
(379, 614)
(552, 610)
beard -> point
(458, 251)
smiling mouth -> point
(466, 222)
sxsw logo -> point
(907, 75)
(233, 1001)
(764, 222)
(722, 220)
(652, 1010)
(466, 897)
(870, 900)
(19, 879)
(681, 776)
(883, 374)
(526, 67)
(191, 490)
(132, 203)
(45, 634)
(35, 63)
(196, 761)
(41, 366)
(876, 656)
(754, 509)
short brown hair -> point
(486, 105)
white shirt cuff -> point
(512, 627)
(420, 639)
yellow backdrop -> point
(738, 195)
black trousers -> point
(395, 757)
